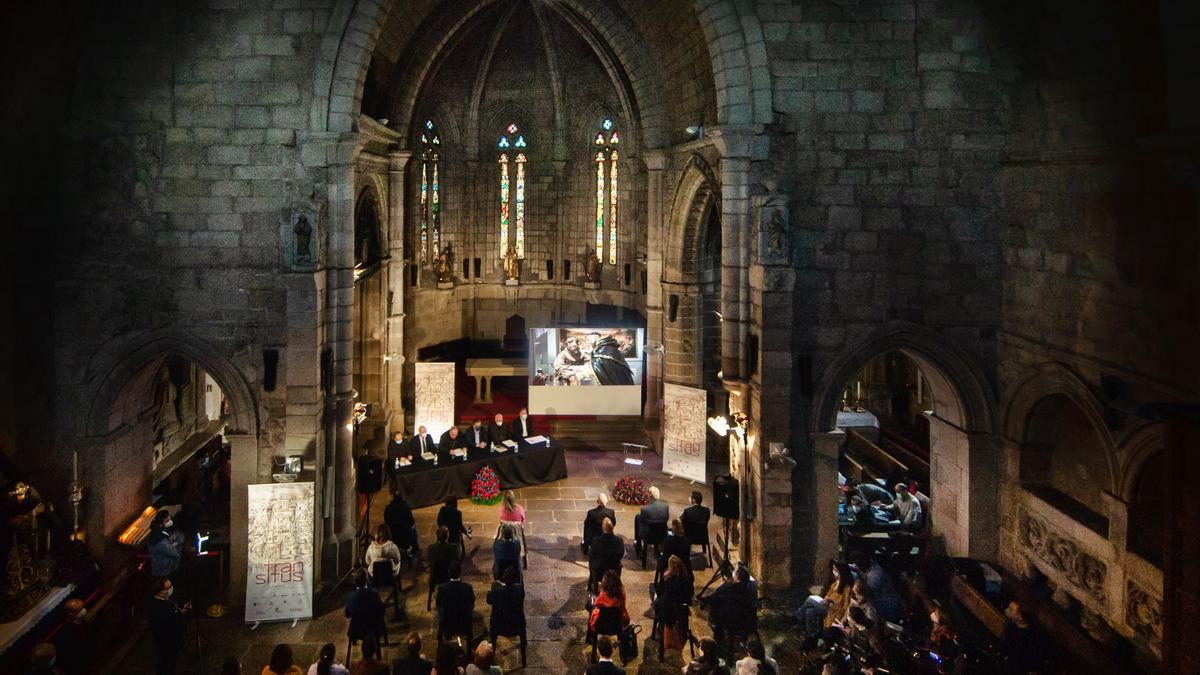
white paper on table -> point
(508, 444)
(496, 447)
(404, 462)
(534, 440)
(427, 456)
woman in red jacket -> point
(612, 594)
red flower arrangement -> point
(630, 490)
(485, 487)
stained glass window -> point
(503, 203)
(430, 229)
(606, 141)
(517, 196)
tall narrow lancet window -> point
(512, 196)
(606, 188)
(431, 198)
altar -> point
(483, 370)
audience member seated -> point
(282, 662)
(522, 426)
(365, 610)
(444, 558)
(451, 445)
(456, 608)
(507, 599)
(733, 606)
(612, 594)
(818, 613)
(905, 508)
(606, 553)
(676, 544)
(449, 655)
(372, 661)
(672, 596)
(656, 511)
(510, 510)
(593, 519)
(707, 662)
(403, 527)
(413, 662)
(506, 552)
(695, 521)
(497, 431)
(883, 593)
(941, 635)
(605, 665)
(382, 548)
(326, 663)
(451, 518)
(756, 661)
(484, 661)
(1023, 644)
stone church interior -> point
(761, 336)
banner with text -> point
(434, 394)
(685, 416)
(279, 566)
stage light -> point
(719, 424)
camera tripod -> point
(364, 525)
(724, 566)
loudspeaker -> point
(270, 368)
(725, 497)
(368, 475)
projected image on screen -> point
(584, 357)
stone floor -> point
(555, 581)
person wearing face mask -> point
(74, 641)
(164, 548)
(477, 437)
(168, 625)
(820, 612)
(522, 426)
(905, 507)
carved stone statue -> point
(591, 266)
(444, 267)
(512, 264)
(303, 232)
(773, 223)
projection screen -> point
(585, 371)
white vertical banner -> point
(279, 569)
(685, 416)
(434, 398)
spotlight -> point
(719, 424)
(695, 130)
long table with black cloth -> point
(424, 483)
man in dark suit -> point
(413, 662)
(422, 442)
(456, 607)
(451, 440)
(605, 665)
(168, 625)
(497, 432)
(396, 449)
(365, 609)
(656, 511)
(477, 437)
(596, 516)
(695, 520)
(606, 552)
(399, 518)
(522, 426)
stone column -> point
(244, 463)
(397, 280)
(735, 221)
(656, 209)
(822, 539)
(949, 472)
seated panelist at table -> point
(421, 443)
(451, 441)
(522, 426)
(497, 432)
(477, 438)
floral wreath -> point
(630, 490)
(485, 487)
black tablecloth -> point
(425, 484)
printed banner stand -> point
(279, 561)
(685, 420)
(433, 392)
